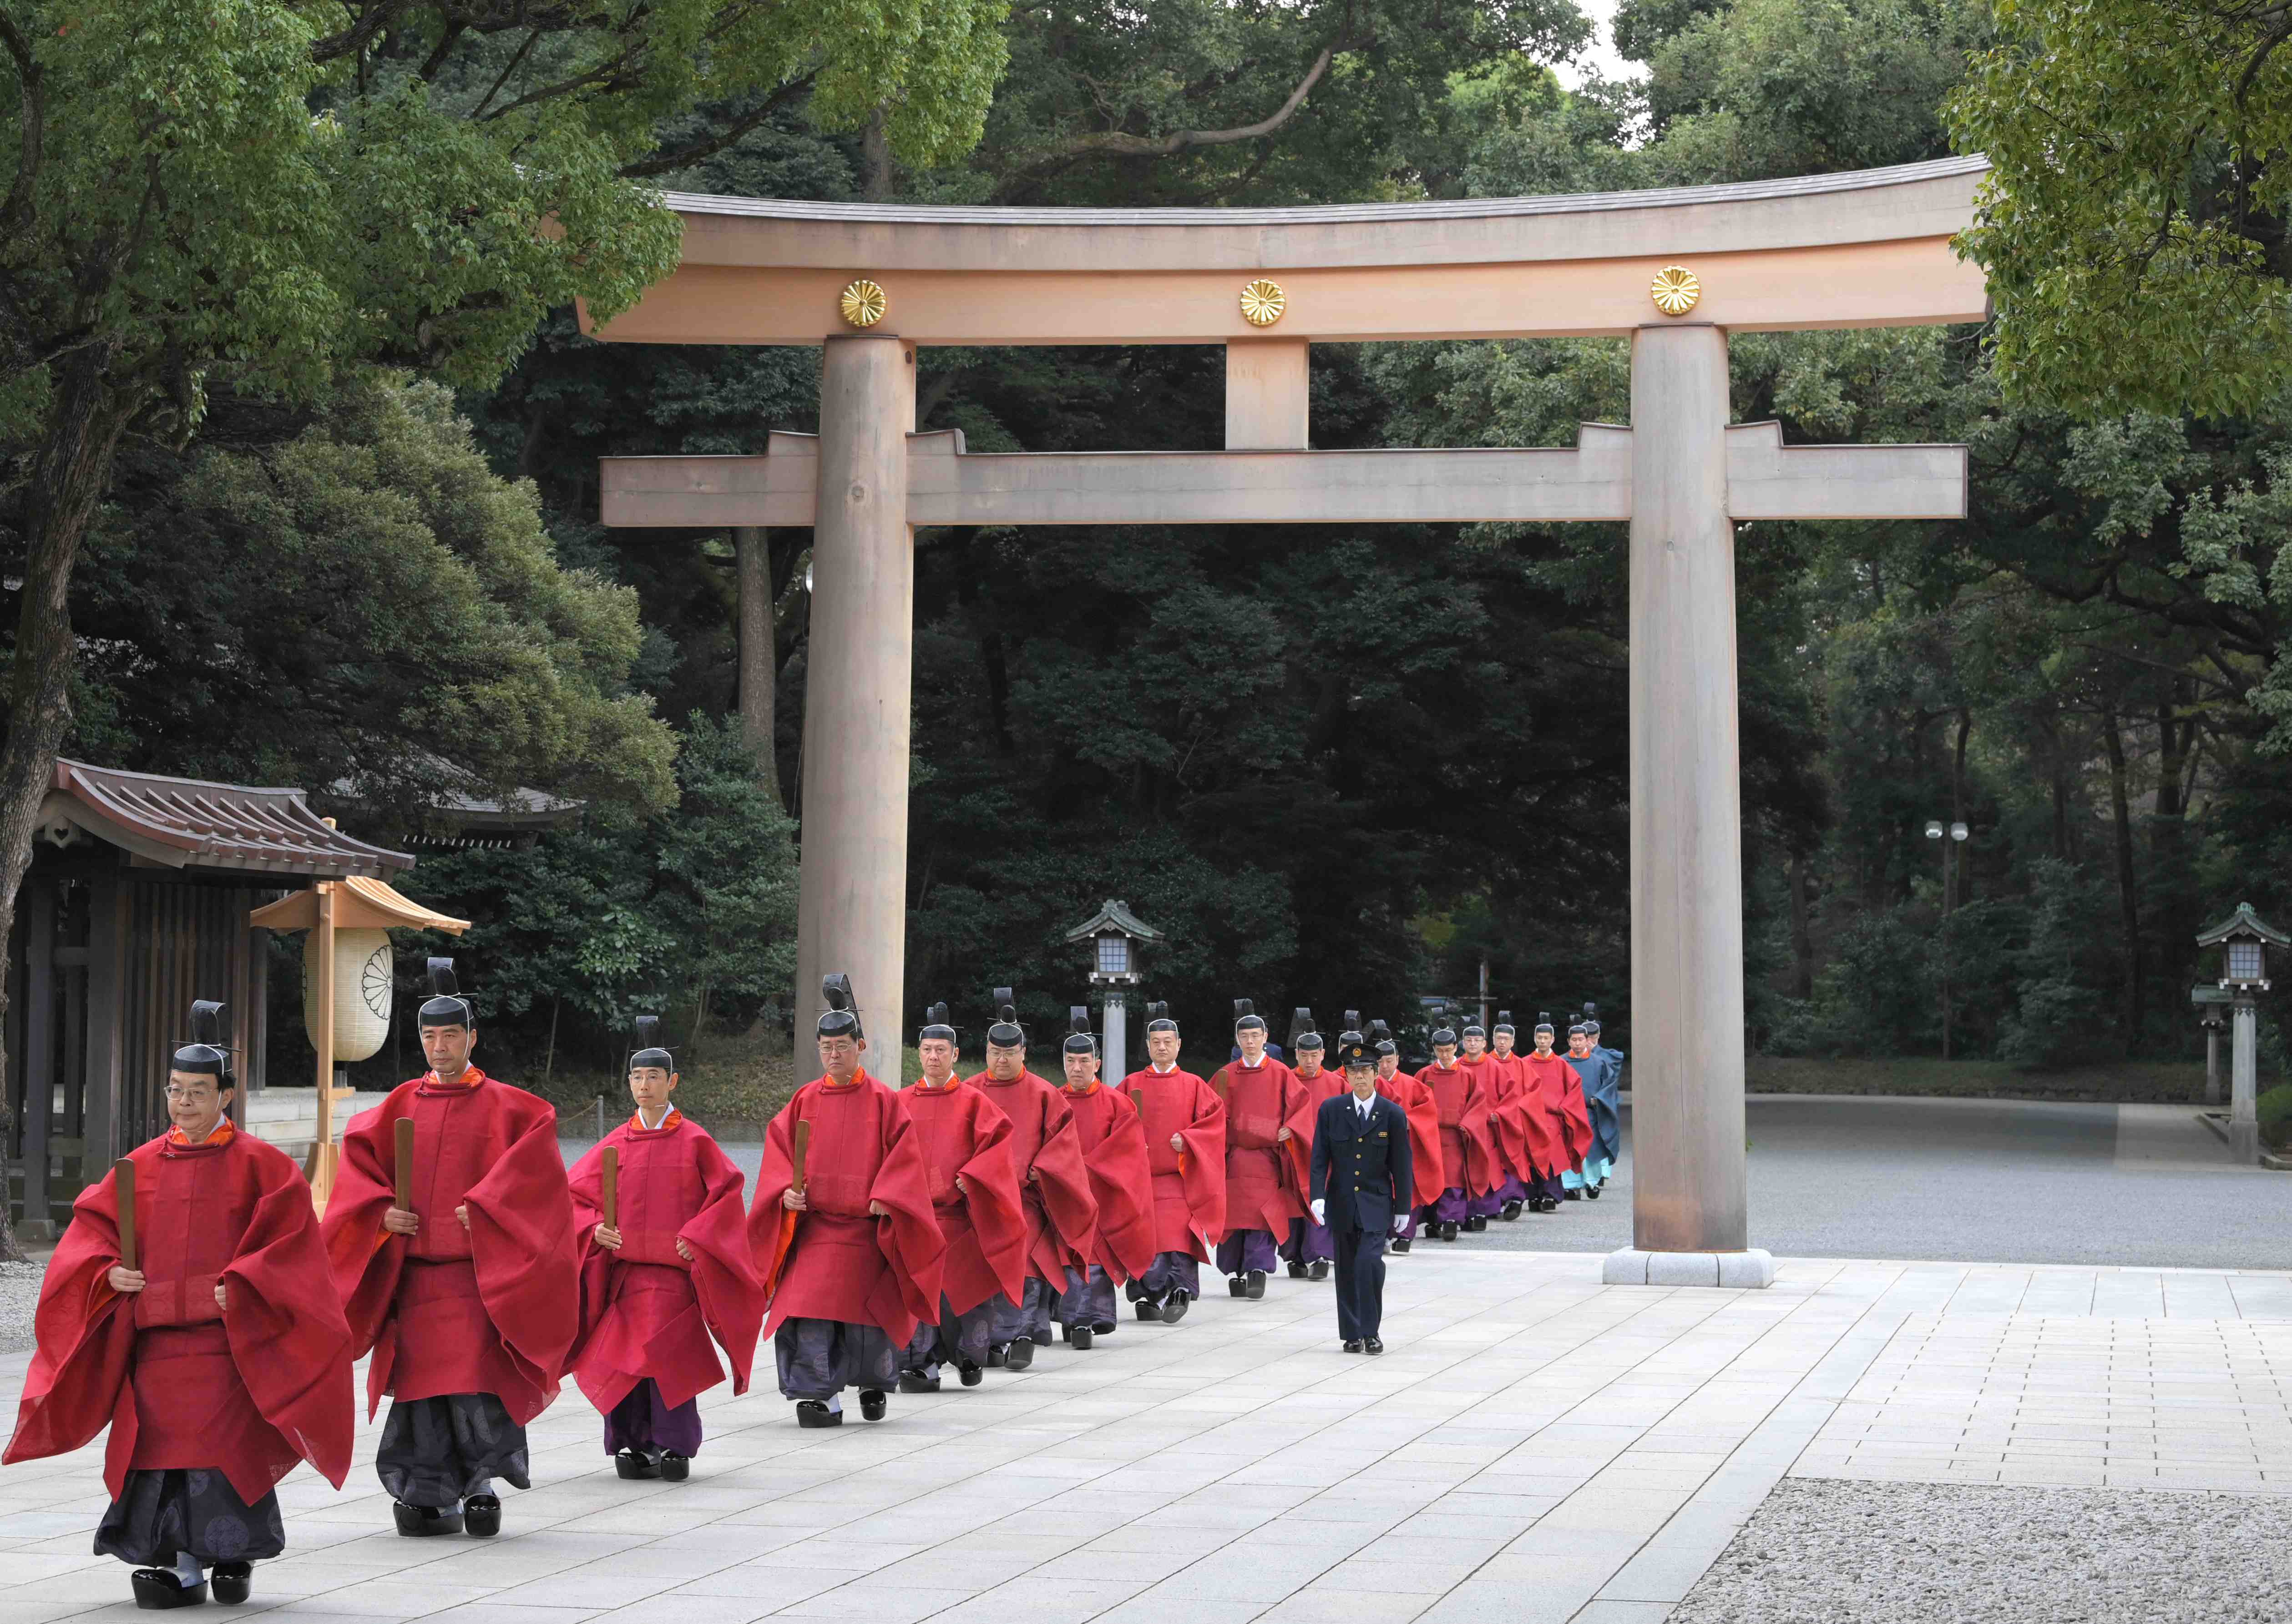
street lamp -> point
(2244, 939)
(1114, 933)
(1957, 834)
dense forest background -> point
(1338, 767)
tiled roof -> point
(186, 823)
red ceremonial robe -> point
(1427, 1169)
(1263, 1190)
(1324, 1084)
(1560, 1094)
(1468, 1148)
(1053, 1179)
(1189, 1184)
(834, 1261)
(250, 1390)
(962, 1133)
(1526, 1134)
(645, 1310)
(491, 1308)
(1113, 1144)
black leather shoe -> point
(1020, 1355)
(419, 1522)
(1370, 1344)
(1352, 1346)
(159, 1588)
(1254, 1287)
(815, 1412)
(233, 1581)
(1402, 1245)
(1147, 1309)
(1173, 1307)
(872, 1404)
(1296, 1271)
(916, 1381)
(1081, 1338)
(481, 1514)
(971, 1373)
(1320, 1269)
(674, 1468)
(631, 1464)
(1235, 1286)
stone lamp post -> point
(2244, 939)
(1114, 933)
(2212, 1005)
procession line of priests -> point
(892, 1232)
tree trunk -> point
(2127, 894)
(759, 643)
(2168, 855)
(67, 476)
(1801, 929)
(876, 155)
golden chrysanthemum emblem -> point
(1675, 290)
(864, 304)
(1263, 302)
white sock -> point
(836, 1405)
(187, 1570)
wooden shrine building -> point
(135, 903)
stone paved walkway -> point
(1534, 1447)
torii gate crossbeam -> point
(1672, 270)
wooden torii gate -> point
(1674, 270)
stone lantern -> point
(2244, 939)
(1114, 933)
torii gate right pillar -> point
(1686, 811)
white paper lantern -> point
(362, 993)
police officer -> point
(1362, 1191)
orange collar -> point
(1091, 1087)
(471, 1078)
(675, 1119)
(223, 1134)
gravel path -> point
(19, 1291)
(1829, 1551)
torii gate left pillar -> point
(851, 906)
(1867, 250)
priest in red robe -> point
(1510, 1191)
(1054, 1190)
(1560, 1094)
(842, 1229)
(965, 1142)
(1467, 1146)
(469, 1296)
(671, 1270)
(1265, 1111)
(1113, 1141)
(1185, 1144)
(1423, 1113)
(220, 1360)
(1307, 1248)
(1527, 1137)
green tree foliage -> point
(358, 603)
(2133, 224)
(687, 912)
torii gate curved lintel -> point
(1865, 249)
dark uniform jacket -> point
(1361, 1169)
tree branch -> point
(31, 123)
(662, 163)
(1121, 144)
